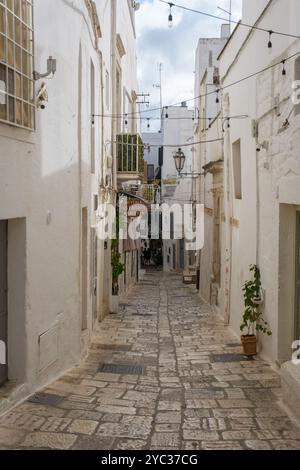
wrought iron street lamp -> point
(179, 159)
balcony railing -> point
(147, 192)
(130, 155)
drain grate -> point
(122, 369)
(231, 358)
(46, 399)
(142, 314)
(111, 347)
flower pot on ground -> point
(252, 318)
(249, 344)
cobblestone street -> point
(184, 397)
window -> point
(160, 156)
(150, 171)
(16, 63)
(130, 153)
(237, 168)
(107, 89)
(172, 226)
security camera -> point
(263, 146)
(42, 96)
(136, 5)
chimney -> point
(225, 31)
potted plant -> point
(252, 319)
(117, 270)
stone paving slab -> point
(186, 399)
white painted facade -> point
(177, 130)
(51, 181)
(154, 140)
(208, 188)
(261, 204)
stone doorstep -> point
(11, 394)
(290, 378)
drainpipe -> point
(114, 95)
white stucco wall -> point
(255, 234)
(208, 127)
(46, 181)
(176, 130)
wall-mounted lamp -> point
(179, 159)
(263, 146)
(51, 69)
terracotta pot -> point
(249, 345)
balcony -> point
(145, 192)
(130, 158)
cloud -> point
(175, 47)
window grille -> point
(16, 63)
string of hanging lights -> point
(282, 62)
(191, 144)
(179, 118)
(241, 23)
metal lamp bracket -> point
(51, 69)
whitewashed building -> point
(262, 178)
(208, 188)
(177, 130)
(58, 163)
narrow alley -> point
(163, 373)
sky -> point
(175, 47)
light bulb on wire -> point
(170, 18)
(270, 45)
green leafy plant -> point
(252, 318)
(117, 266)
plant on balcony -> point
(252, 318)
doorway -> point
(297, 280)
(94, 261)
(181, 254)
(3, 302)
(84, 268)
